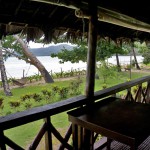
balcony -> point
(47, 15)
(141, 95)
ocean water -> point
(15, 67)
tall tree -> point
(3, 74)
(25, 54)
(144, 50)
(117, 50)
(105, 49)
(134, 55)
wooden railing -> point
(142, 94)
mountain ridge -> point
(47, 51)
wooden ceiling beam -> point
(18, 7)
(116, 18)
(57, 3)
(36, 11)
(54, 10)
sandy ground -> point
(40, 82)
(68, 78)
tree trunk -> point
(3, 74)
(34, 61)
(118, 63)
(134, 55)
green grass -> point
(23, 135)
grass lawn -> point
(24, 134)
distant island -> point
(47, 51)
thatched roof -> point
(54, 17)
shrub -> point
(37, 97)
(14, 104)
(75, 87)
(135, 88)
(1, 101)
(63, 92)
(55, 90)
(26, 96)
(104, 86)
(28, 105)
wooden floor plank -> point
(119, 146)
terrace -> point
(116, 21)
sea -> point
(16, 68)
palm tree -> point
(135, 59)
(3, 74)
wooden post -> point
(147, 92)
(48, 136)
(2, 144)
(91, 64)
(23, 73)
(91, 56)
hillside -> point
(47, 51)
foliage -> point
(37, 97)
(74, 56)
(14, 104)
(105, 49)
(1, 102)
(106, 71)
(25, 97)
(12, 45)
(104, 86)
(75, 87)
(63, 92)
(145, 51)
(28, 105)
(135, 88)
(146, 56)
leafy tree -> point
(3, 74)
(144, 50)
(146, 56)
(105, 49)
(78, 53)
(14, 45)
(106, 71)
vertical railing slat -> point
(2, 143)
(48, 135)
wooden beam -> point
(18, 7)
(48, 134)
(116, 18)
(57, 3)
(38, 138)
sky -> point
(38, 45)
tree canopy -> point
(105, 49)
(144, 51)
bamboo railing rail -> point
(45, 112)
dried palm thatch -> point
(34, 33)
(31, 32)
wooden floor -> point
(119, 146)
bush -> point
(14, 104)
(37, 97)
